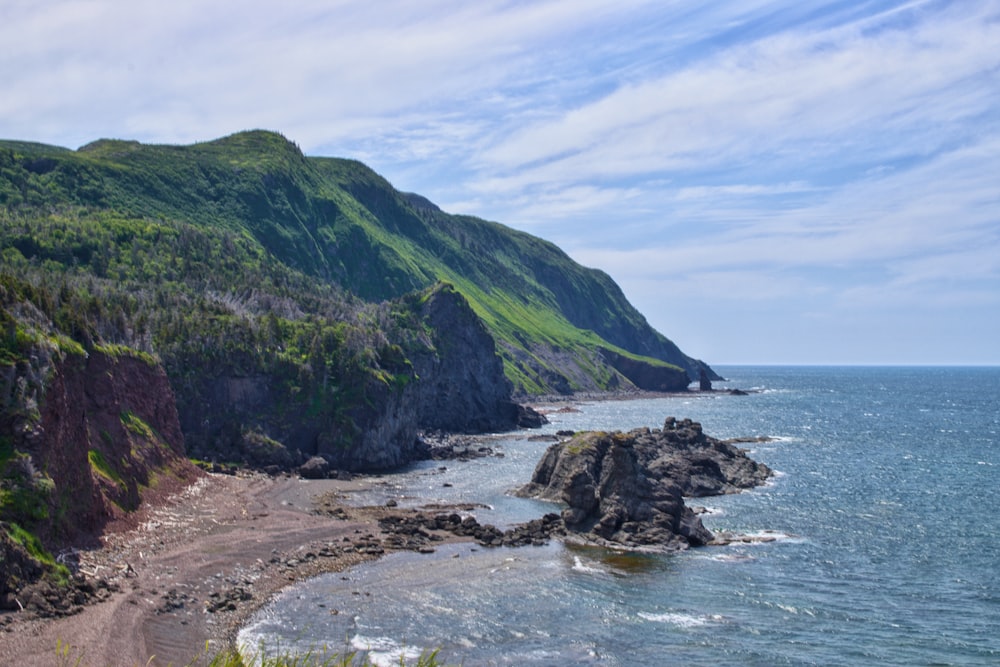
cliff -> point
(448, 378)
(627, 489)
(462, 386)
(89, 437)
(85, 440)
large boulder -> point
(627, 489)
(315, 468)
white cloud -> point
(757, 152)
(795, 97)
(318, 66)
(717, 191)
(928, 234)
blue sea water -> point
(886, 508)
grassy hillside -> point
(249, 223)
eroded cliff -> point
(86, 438)
(90, 436)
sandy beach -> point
(197, 568)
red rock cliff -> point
(107, 438)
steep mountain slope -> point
(559, 327)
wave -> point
(730, 558)
(578, 566)
(683, 620)
(384, 651)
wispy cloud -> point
(933, 229)
(794, 97)
(795, 156)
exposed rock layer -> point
(627, 489)
(106, 434)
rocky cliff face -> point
(462, 386)
(454, 381)
(92, 436)
(646, 375)
(627, 489)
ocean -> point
(885, 509)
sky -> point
(768, 181)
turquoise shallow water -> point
(887, 505)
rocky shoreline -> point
(195, 569)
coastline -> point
(198, 566)
(182, 584)
(548, 402)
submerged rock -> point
(627, 489)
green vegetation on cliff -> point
(250, 213)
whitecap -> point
(731, 558)
(578, 566)
(680, 619)
(384, 651)
(791, 609)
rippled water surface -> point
(887, 503)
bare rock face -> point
(108, 438)
(458, 385)
(462, 385)
(648, 376)
(627, 489)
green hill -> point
(323, 224)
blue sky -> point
(768, 181)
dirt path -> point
(193, 572)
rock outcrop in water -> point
(627, 489)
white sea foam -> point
(682, 620)
(776, 476)
(731, 558)
(383, 651)
(791, 609)
(578, 566)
